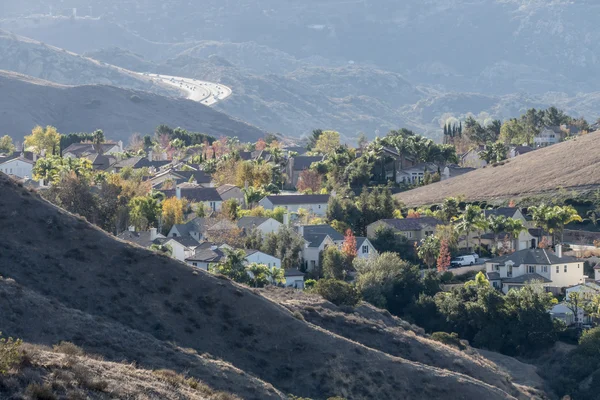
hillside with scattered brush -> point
(65, 280)
(572, 165)
(27, 102)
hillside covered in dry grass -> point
(571, 165)
(65, 280)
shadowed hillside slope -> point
(75, 282)
(571, 165)
(26, 102)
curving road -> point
(207, 93)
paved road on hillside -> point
(207, 93)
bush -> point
(10, 354)
(338, 292)
(446, 277)
(450, 339)
(68, 348)
(40, 392)
(310, 283)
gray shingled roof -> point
(292, 272)
(493, 276)
(359, 241)
(207, 255)
(299, 199)
(412, 224)
(80, 148)
(533, 257)
(526, 278)
(504, 211)
(198, 176)
(315, 239)
(250, 222)
(322, 229)
(304, 162)
(140, 238)
(201, 194)
(186, 241)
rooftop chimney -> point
(150, 155)
(153, 233)
(178, 192)
(120, 143)
(286, 219)
(301, 230)
(558, 249)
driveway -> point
(463, 270)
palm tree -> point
(252, 195)
(561, 216)
(540, 216)
(497, 224)
(481, 224)
(276, 275)
(234, 267)
(468, 221)
(514, 227)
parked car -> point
(463, 261)
(475, 255)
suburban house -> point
(471, 159)
(263, 224)
(206, 255)
(182, 246)
(140, 162)
(313, 203)
(195, 228)
(144, 239)
(197, 194)
(294, 278)
(548, 136)
(296, 165)
(571, 313)
(519, 150)
(176, 177)
(77, 150)
(413, 229)
(20, 166)
(394, 162)
(101, 162)
(228, 192)
(452, 171)
(364, 247)
(255, 256)
(415, 174)
(315, 243)
(526, 239)
(554, 271)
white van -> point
(463, 261)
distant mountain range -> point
(347, 65)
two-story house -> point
(548, 136)
(364, 247)
(525, 240)
(313, 203)
(296, 165)
(554, 271)
(263, 224)
(413, 229)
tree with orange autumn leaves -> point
(443, 261)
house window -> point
(545, 268)
(497, 267)
(557, 269)
(409, 234)
(195, 264)
(174, 235)
(565, 268)
(212, 206)
(365, 249)
(532, 269)
(319, 206)
(312, 264)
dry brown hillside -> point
(26, 102)
(572, 165)
(65, 280)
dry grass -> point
(125, 303)
(571, 165)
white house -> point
(255, 256)
(313, 203)
(207, 196)
(228, 192)
(294, 278)
(364, 247)
(554, 271)
(206, 255)
(183, 246)
(195, 228)
(315, 243)
(548, 136)
(416, 174)
(525, 240)
(20, 167)
(144, 238)
(263, 224)
(572, 313)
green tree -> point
(334, 263)
(44, 140)
(429, 250)
(495, 152)
(468, 221)
(338, 292)
(6, 145)
(327, 142)
(144, 212)
(312, 140)
(259, 275)
(10, 353)
(234, 266)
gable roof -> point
(304, 162)
(251, 222)
(208, 255)
(186, 241)
(298, 199)
(522, 149)
(315, 239)
(226, 188)
(322, 229)
(532, 257)
(140, 162)
(526, 278)
(195, 194)
(360, 240)
(507, 212)
(195, 225)
(411, 224)
(16, 154)
(199, 176)
(100, 161)
(141, 238)
(22, 159)
(292, 272)
(79, 149)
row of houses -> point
(189, 243)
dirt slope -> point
(74, 279)
(26, 102)
(572, 165)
